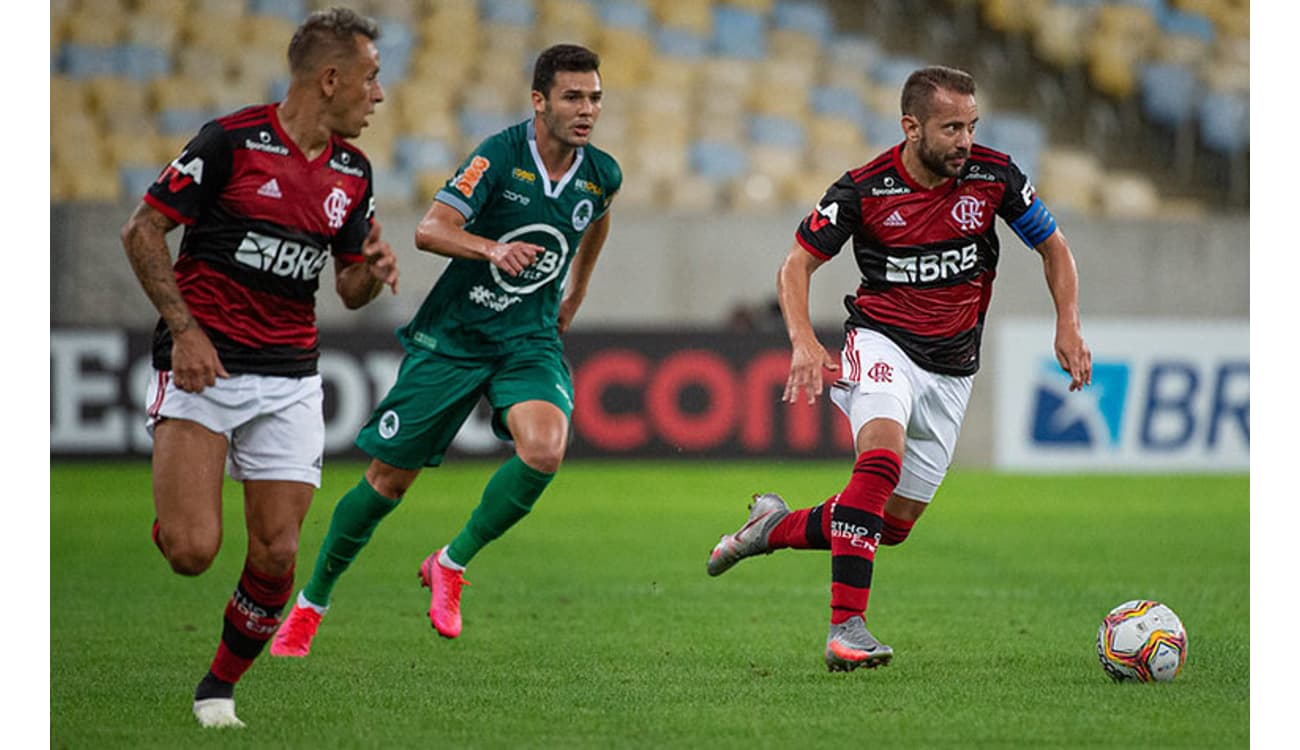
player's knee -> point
(191, 559)
(544, 457)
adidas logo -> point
(895, 220)
(270, 189)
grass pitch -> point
(593, 624)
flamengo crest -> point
(968, 213)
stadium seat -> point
(810, 18)
(1224, 119)
(688, 194)
(142, 61)
(776, 131)
(625, 14)
(755, 193)
(1129, 195)
(122, 104)
(395, 44)
(419, 154)
(396, 189)
(838, 102)
(136, 179)
(738, 32)
(785, 45)
(292, 10)
(508, 12)
(95, 24)
(1022, 136)
(1061, 34)
(683, 43)
(695, 16)
(718, 160)
(1169, 93)
(1069, 179)
(79, 60)
(1012, 16)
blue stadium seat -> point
(881, 130)
(136, 180)
(625, 14)
(508, 12)
(738, 32)
(810, 18)
(396, 42)
(417, 154)
(143, 62)
(182, 122)
(891, 72)
(78, 60)
(774, 130)
(1169, 93)
(293, 10)
(718, 160)
(838, 101)
(1225, 122)
(1021, 136)
(674, 41)
(475, 125)
(1177, 22)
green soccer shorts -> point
(433, 396)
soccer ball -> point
(1142, 640)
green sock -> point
(354, 520)
(508, 497)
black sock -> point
(211, 687)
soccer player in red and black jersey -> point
(921, 220)
(267, 196)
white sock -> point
(447, 562)
(302, 602)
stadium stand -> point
(741, 104)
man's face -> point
(571, 108)
(357, 90)
(946, 135)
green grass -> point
(593, 624)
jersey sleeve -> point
(1023, 210)
(193, 181)
(346, 245)
(612, 177)
(838, 214)
(474, 182)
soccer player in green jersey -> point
(523, 221)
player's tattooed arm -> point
(195, 363)
(145, 238)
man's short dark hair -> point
(569, 58)
(326, 35)
(918, 92)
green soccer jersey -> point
(505, 194)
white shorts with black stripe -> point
(275, 425)
(880, 381)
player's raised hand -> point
(513, 257)
(808, 358)
(380, 258)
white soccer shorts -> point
(275, 425)
(879, 380)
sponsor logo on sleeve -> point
(468, 180)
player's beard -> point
(938, 162)
(560, 131)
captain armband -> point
(1034, 225)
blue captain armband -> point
(1034, 225)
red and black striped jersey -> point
(261, 222)
(927, 256)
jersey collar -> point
(552, 191)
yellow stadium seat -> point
(834, 132)
(94, 25)
(1013, 16)
(98, 183)
(574, 15)
(120, 103)
(667, 71)
(789, 44)
(693, 15)
(773, 99)
(1061, 34)
(755, 194)
(213, 32)
(1129, 195)
(1112, 65)
(775, 162)
(180, 92)
(213, 67)
(690, 194)
(173, 10)
(162, 31)
(66, 95)
(762, 7)
(270, 33)
(140, 148)
(1069, 179)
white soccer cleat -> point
(216, 713)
